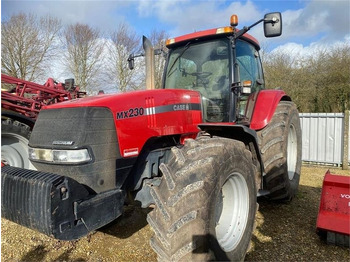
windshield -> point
(203, 67)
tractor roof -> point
(207, 34)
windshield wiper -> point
(177, 58)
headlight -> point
(60, 156)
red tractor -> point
(200, 150)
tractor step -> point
(333, 221)
(55, 205)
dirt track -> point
(285, 232)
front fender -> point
(265, 107)
(240, 133)
(233, 131)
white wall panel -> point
(322, 135)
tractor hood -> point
(118, 100)
(85, 138)
(137, 116)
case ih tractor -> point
(199, 151)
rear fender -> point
(265, 107)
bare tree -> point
(285, 71)
(27, 44)
(84, 53)
(158, 39)
(318, 83)
(331, 79)
(124, 41)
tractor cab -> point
(203, 66)
(223, 64)
(207, 66)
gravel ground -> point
(285, 232)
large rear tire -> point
(14, 144)
(205, 204)
(280, 143)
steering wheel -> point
(202, 74)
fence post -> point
(346, 140)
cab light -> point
(234, 20)
(247, 83)
(247, 87)
(170, 41)
(59, 156)
(223, 30)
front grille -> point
(83, 127)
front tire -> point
(14, 144)
(205, 203)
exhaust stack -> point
(150, 64)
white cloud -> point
(99, 14)
(320, 25)
(327, 20)
(148, 8)
(298, 51)
(189, 16)
(319, 21)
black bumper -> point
(55, 205)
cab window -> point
(249, 65)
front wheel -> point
(205, 203)
(14, 144)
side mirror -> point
(131, 62)
(273, 24)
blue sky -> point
(307, 24)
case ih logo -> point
(181, 107)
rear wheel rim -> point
(231, 212)
(292, 152)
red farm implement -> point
(333, 221)
(27, 98)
